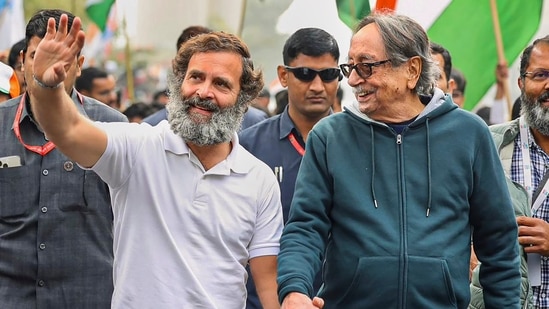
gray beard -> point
(199, 129)
(537, 116)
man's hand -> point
(533, 235)
(502, 72)
(472, 263)
(296, 300)
(57, 51)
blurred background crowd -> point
(133, 41)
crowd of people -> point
(208, 197)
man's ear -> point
(451, 85)
(282, 75)
(414, 71)
(79, 63)
(520, 83)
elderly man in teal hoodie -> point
(391, 191)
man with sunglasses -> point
(311, 75)
(391, 191)
(523, 146)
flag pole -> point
(501, 54)
(242, 17)
(128, 62)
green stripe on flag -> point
(98, 12)
(465, 28)
(352, 11)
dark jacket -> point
(56, 238)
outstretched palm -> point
(57, 50)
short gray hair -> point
(404, 38)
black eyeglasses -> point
(308, 74)
(363, 69)
(537, 76)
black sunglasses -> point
(363, 69)
(308, 74)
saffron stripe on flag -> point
(386, 4)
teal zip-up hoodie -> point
(392, 215)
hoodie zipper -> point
(404, 259)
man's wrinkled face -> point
(385, 83)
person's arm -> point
(495, 229)
(263, 269)
(303, 241)
(498, 111)
(72, 133)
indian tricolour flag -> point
(465, 28)
(98, 11)
(100, 33)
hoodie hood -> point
(438, 104)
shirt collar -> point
(76, 98)
(234, 162)
(287, 125)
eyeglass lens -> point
(539, 76)
(363, 69)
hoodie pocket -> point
(376, 280)
(429, 283)
(374, 284)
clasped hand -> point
(533, 235)
(296, 300)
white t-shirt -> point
(182, 235)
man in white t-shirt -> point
(191, 206)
